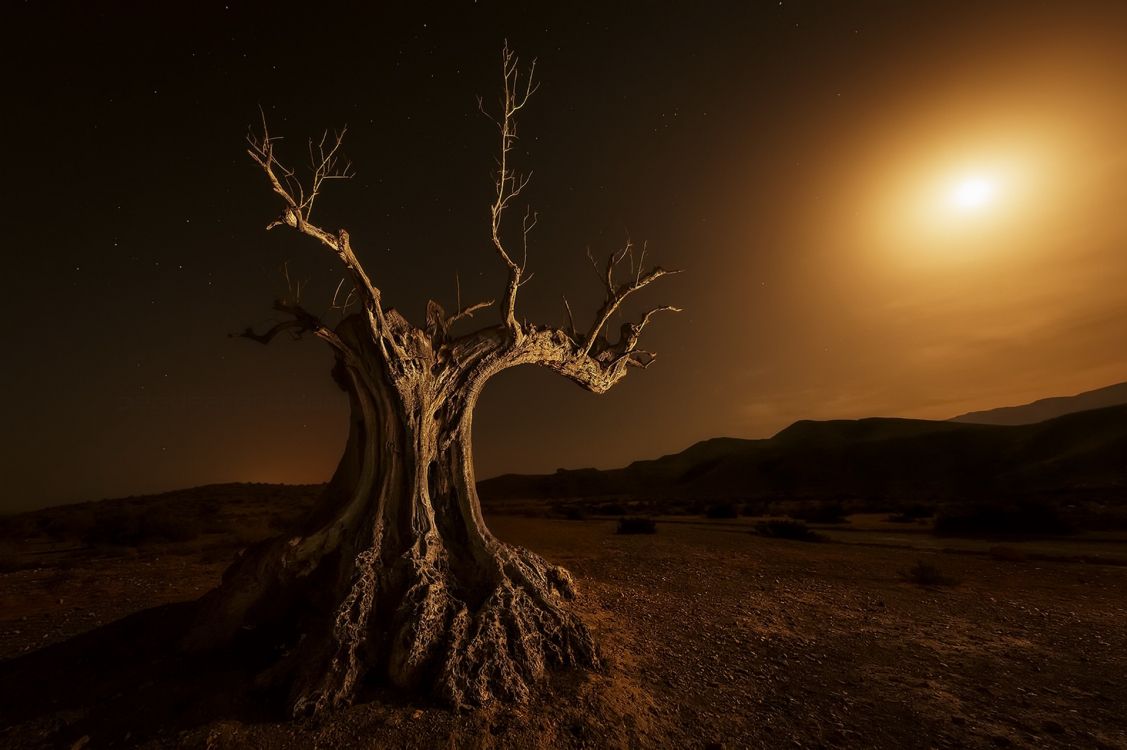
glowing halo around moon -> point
(945, 209)
(973, 193)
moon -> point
(973, 193)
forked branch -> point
(585, 356)
(298, 198)
(301, 321)
(517, 90)
(616, 293)
(468, 311)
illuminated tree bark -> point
(395, 575)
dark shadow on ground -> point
(128, 681)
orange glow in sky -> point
(909, 209)
(974, 192)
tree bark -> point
(395, 574)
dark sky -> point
(781, 152)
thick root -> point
(434, 639)
(337, 685)
(504, 649)
(522, 630)
(468, 657)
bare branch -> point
(268, 336)
(298, 204)
(468, 311)
(509, 185)
(294, 287)
(302, 321)
(594, 265)
(333, 304)
(633, 331)
(324, 164)
(527, 225)
(571, 332)
(617, 293)
(349, 299)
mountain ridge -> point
(1048, 408)
(1080, 455)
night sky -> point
(792, 156)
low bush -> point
(995, 520)
(821, 513)
(786, 528)
(927, 574)
(10, 562)
(912, 513)
(574, 513)
(610, 509)
(754, 508)
(67, 524)
(722, 510)
(132, 528)
(636, 525)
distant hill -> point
(218, 513)
(1077, 460)
(1081, 456)
(1048, 408)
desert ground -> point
(712, 637)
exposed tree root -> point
(523, 629)
(467, 655)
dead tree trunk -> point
(395, 575)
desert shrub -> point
(113, 528)
(1019, 519)
(912, 513)
(722, 510)
(820, 513)
(170, 527)
(786, 528)
(754, 508)
(122, 527)
(610, 509)
(1006, 554)
(927, 574)
(1101, 517)
(10, 562)
(636, 525)
(22, 526)
(67, 524)
(210, 508)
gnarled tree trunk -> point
(395, 574)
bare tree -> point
(395, 574)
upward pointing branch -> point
(509, 184)
(617, 293)
(298, 200)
